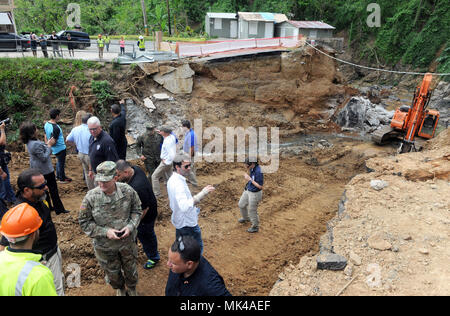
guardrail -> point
(193, 50)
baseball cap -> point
(106, 171)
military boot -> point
(132, 292)
(121, 292)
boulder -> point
(178, 81)
(361, 114)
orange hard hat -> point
(20, 221)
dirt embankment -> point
(294, 91)
(396, 239)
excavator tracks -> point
(383, 135)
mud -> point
(298, 201)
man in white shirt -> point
(80, 137)
(168, 152)
(182, 203)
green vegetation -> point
(25, 80)
(102, 91)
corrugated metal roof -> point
(280, 18)
(311, 25)
(4, 19)
(263, 16)
(218, 15)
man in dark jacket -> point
(190, 273)
(135, 177)
(32, 190)
(118, 127)
(101, 146)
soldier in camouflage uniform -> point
(148, 148)
(110, 214)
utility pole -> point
(145, 17)
(168, 17)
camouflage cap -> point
(106, 171)
(150, 126)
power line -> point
(376, 69)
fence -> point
(193, 50)
(60, 48)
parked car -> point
(80, 39)
(13, 42)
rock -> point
(331, 261)
(149, 104)
(355, 259)
(348, 271)
(361, 114)
(378, 242)
(161, 96)
(149, 68)
(378, 184)
(178, 81)
(424, 251)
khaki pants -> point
(55, 264)
(162, 171)
(248, 204)
(85, 164)
(100, 52)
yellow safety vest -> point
(21, 274)
(141, 43)
(101, 42)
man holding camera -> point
(6, 190)
(110, 214)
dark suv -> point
(80, 39)
(13, 42)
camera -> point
(6, 121)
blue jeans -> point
(195, 232)
(147, 237)
(6, 190)
(61, 165)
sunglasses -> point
(41, 187)
(187, 166)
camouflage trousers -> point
(119, 265)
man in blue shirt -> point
(80, 137)
(190, 147)
(252, 195)
(190, 273)
(52, 130)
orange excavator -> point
(409, 122)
